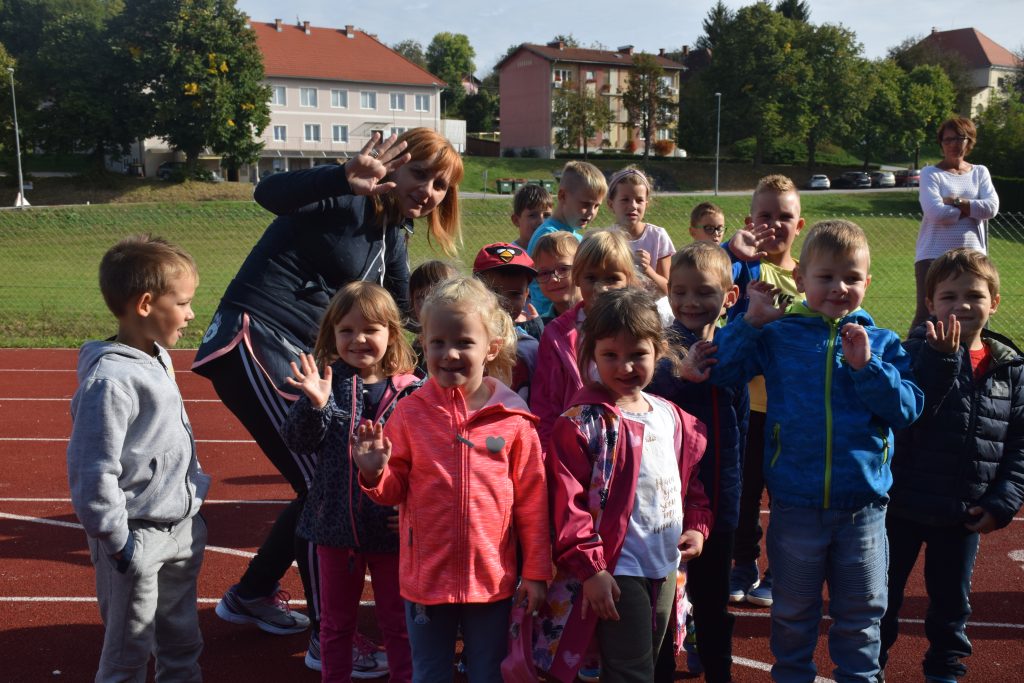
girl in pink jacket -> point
(626, 502)
(462, 459)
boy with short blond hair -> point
(552, 257)
(531, 206)
(707, 223)
(958, 471)
(581, 190)
(136, 484)
(837, 387)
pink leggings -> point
(342, 573)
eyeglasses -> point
(559, 273)
(713, 229)
(962, 139)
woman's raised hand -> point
(374, 162)
(317, 389)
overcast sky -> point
(493, 25)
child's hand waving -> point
(600, 593)
(696, 364)
(762, 308)
(856, 347)
(944, 339)
(317, 389)
(371, 451)
(746, 243)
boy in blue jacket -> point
(959, 470)
(837, 386)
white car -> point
(818, 182)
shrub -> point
(1011, 193)
(664, 148)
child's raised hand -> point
(643, 259)
(762, 308)
(985, 522)
(365, 170)
(600, 593)
(856, 346)
(696, 364)
(534, 592)
(746, 243)
(691, 543)
(317, 389)
(371, 450)
(943, 338)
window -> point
(398, 101)
(280, 133)
(423, 103)
(367, 100)
(664, 134)
(395, 130)
(590, 77)
(667, 82)
(339, 133)
(307, 97)
(339, 99)
(277, 95)
(560, 76)
(312, 132)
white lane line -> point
(49, 439)
(763, 666)
(205, 502)
(75, 598)
(65, 399)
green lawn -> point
(49, 257)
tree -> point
(916, 51)
(647, 100)
(197, 69)
(450, 58)
(798, 10)
(578, 116)
(569, 40)
(481, 111)
(876, 127)
(1001, 138)
(411, 50)
(715, 25)
(927, 101)
(697, 115)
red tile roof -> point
(977, 49)
(326, 53)
(586, 55)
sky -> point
(493, 25)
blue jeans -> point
(848, 550)
(950, 552)
(432, 631)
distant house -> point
(989, 64)
(529, 77)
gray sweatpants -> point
(151, 607)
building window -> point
(560, 76)
(307, 97)
(278, 96)
(667, 82)
(280, 133)
(664, 134)
(398, 101)
(590, 77)
(339, 99)
(367, 100)
(395, 130)
(339, 133)
(423, 103)
(312, 132)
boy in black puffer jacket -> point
(959, 470)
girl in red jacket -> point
(462, 460)
(626, 502)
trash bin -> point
(517, 183)
(548, 185)
(504, 185)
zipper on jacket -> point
(778, 444)
(351, 497)
(884, 433)
(830, 353)
(462, 523)
(716, 420)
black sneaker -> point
(270, 614)
(313, 652)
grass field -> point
(48, 257)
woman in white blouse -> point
(957, 199)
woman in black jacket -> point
(334, 224)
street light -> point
(718, 137)
(17, 142)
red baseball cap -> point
(503, 255)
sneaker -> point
(313, 652)
(693, 664)
(761, 594)
(271, 613)
(590, 672)
(742, 580)
(368, 661)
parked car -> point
(853, 179)
(883, 179)
(908, 178)
(818, 182)
(169, 169)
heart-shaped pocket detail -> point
(495, 444)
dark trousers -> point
(949, 557)
(747, 547)
(245, 392)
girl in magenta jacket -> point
(626, 502)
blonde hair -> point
(468, 292)
(376, 305)
(836, 237)
(606, 249)
(631, 175)
(704, 257)
(955, 263)
(559, 243)
(426, 145)
(140, 264)
(774, 184)
(578, 175)
(628, 310)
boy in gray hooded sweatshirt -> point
(136, 484)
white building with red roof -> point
(989, 65)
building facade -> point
(990, 66)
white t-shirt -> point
(655, 241)
(651, 548)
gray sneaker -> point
(368, 661)
(761, 595)
(270, 614)
(313, 653)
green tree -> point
(914, 52)
(876, 128)
(797, 10)
(481, 111)
(715, 25)
(698, 110)
(411, 50)
(450, 58)
(567, 38)
(578, 116)
(196, 67)
(1001, 138)
(928, 100)
(648, 103)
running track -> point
(49, 624)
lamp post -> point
(17, 142)
(718, 137)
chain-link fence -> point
(49, 259)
